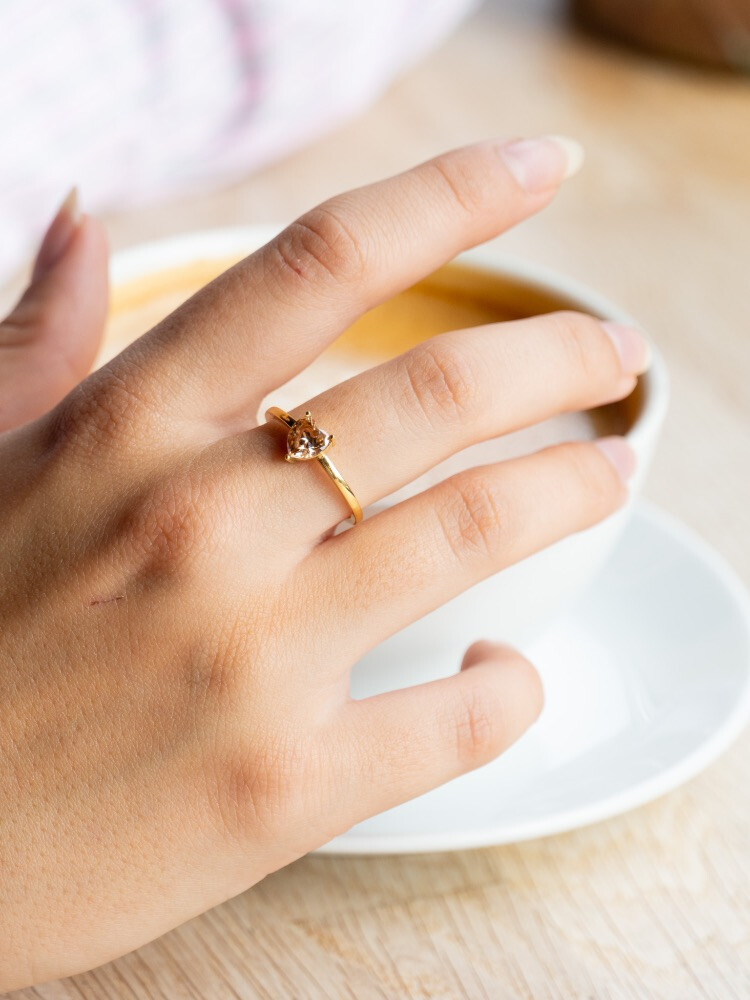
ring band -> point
(305, 440)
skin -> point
(177, 621)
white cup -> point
(520, 601)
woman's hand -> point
(177, 622)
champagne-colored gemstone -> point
(307, 440)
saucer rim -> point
(641, 792)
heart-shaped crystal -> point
(306, 440)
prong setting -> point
(306, 440)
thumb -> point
(49, 341)
(406, 742)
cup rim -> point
(141, 259)
(655, 381)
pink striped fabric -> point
(138, 100)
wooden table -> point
(652, 904)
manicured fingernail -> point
(58, 236)
(632, 347)
(619, 454)
(541, 164)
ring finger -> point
(399, 419)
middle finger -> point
(206, 367)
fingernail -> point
(541, 164)
(58, 236)
(619, 453)
(632, 347)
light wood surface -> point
(652, 904)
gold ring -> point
(306, 440)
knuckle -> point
(322, 246)
(592, 474)
(255, 788)
(472, 520)
(31, 320)
(96, 416)
(460, 180)
(17, 331)
(172, 524)
(578, 337)
(477, 727)
(439, 380)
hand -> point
(177, 623)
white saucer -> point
(647, 681)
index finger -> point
(211, 362)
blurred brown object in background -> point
(712, 31)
